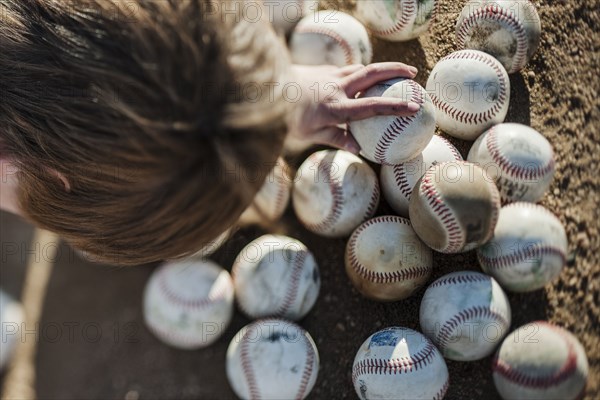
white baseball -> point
(386, 260)
(334, 192)
(540, 361)
(11, 319)
(396, 20)
(284, 14)
(272, 359)
(188, 304)
(276, 276)
(465, 314)
(391, 139)
(397, 181)
(471, 91)
(528, 249)
(519, 158)
(454, 207)
(330, 37)
(272, 199)
(509, 30)
(398, 363)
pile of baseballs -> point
(443, 203)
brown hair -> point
(149, 109)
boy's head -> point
(141, 129)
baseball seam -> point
(515, 171)
(308, 369)
(373, 202)
(449, 221)
(381, 277)
(337, 197)
(505, 17)
(444, 335)
(519, 256)
(540, 382)
(408, 9)
(398, 125)
(465, 116)
(337, 38)
(247, 370)
(460, 279)
(219, 294)
(292, 291)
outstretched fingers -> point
(364, 78)
(363, 108)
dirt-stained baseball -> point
(509, 30)
(471, 91)
(519, 158)
(272, 199)
(397, 181)
(276, 276)
(11, 319)
(272, 359)
(386, 260)
(398, 363)
(528, 250)
(394, 140)
(465, 314)
(330, 37)
(396, 20)
(454, 207)
(540, 361)
(334, 192)
(188, 304)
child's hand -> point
(327, 99)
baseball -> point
(454, 207)
(188, 304)
(272, 199)
(465, 314)
(390, 139)
(540, 361)
(284, 14)
(397, 181)
(11, 318)
(519, 158)
(509, 30)
(396, 20)
(470, 90)
(272, 359)
(399, 362)
(334, 192)
(330, 37)
(276, 276)
(528, 249)
(386, 260)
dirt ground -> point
(110, 353)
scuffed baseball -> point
(330, 37)
(11, 319)
(471, 91)
(276, 276)
(540, 361)
(285, 14)
(334, 192)
(528, 249)
(272, 359)
(509, 30)
(397, 363)
(386, 260)
(397, 181)
(188, 304)
(272, 199)
(454, 207)
(465, 314)
(390, 139)
(519, 158)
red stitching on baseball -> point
(503, 16)
(408, 10)
(247, 369)
(395, 366)
(373, 202)
(188, 303)
(281, 192)
(445, 333)
(308, 369)
(292, 291)
(337, 197)
(447, 217)
(456, 279)
(398, 125)
(442, 392)
(515, 171)
(464, 116)
(339, 40)
(527, 254)
(540, 382)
